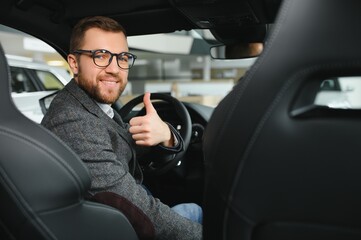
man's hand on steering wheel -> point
(150, 130)
(140, 131)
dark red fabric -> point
(140, 222)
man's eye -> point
(100, 56)
(123, 58)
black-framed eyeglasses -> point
(103, 57)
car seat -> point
(43, 184)
(277, 165)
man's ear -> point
(73, 64)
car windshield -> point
(180, 64)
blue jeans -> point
(191, 211)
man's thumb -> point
(148, 104)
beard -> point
(107, 96)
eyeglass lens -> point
(103, 58)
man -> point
(82, 117)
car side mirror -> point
(45, 101)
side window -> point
(36, 70)
(340, 92)
(20, 81)
(49, 80)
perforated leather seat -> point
(43, 183)
(278, 167)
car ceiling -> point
(52, 20)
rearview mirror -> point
(236, 51)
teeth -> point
(109, 82)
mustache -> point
(112, 75)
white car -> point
(31, 81)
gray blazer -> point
(107, 148)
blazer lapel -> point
(89, 104)
(115, 123)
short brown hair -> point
(103, 23)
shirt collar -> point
(107, 109)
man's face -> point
(104, 84)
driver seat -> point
(43, 184)
(278, 166)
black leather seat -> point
(278, 167)
(43, 183)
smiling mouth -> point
(109, 82)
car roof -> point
(52, 20)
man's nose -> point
(113, 66)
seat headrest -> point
(48, 168)
(5, 90)
(271, 174)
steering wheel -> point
(160, 167)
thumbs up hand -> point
(150, 130)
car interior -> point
(267, 162)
